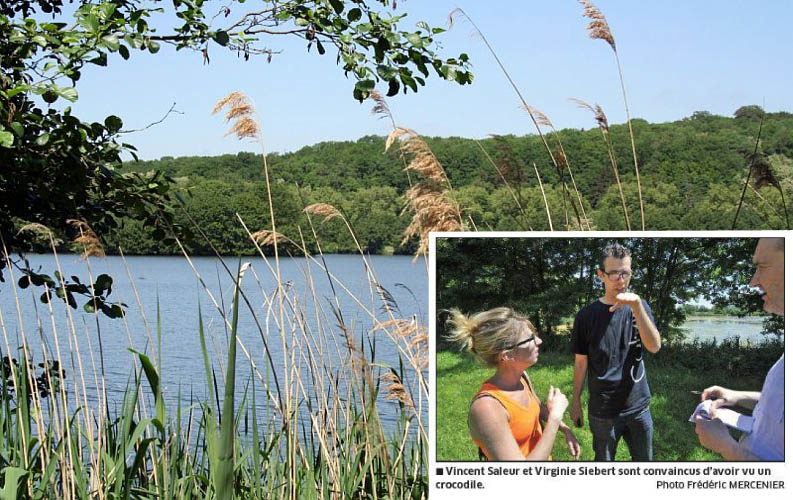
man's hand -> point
(576, 414)
(572, 443)
(713, 435)
(720, 396)
(626, 299)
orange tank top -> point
(524, 421)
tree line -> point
(693, 172)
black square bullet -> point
(439, 471)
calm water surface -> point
(171, 283)
(722, 327)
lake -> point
(144, 282)
(706, 328)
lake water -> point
(171, 283)
(706, 328)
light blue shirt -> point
(767, 439)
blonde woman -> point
(504, 419)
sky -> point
(677, 57)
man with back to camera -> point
(609, 337)
(766, 441)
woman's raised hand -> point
(556, 403)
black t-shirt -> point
(617, 380)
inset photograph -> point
(599, 349)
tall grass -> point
(320, 435)
(599, 30)
(323, 437)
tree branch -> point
(171, 110)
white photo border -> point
(492, 485)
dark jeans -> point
(637, 429)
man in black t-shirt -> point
(609, 337)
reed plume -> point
(760, 169)
(560, 159)
(323, 209)
(430, 200)
(268, 238)
(599, 30)
(240, 111)
(87, 239)
(603, 124)
(395, 390)
(40, 231)
(381, 108)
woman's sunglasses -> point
(522, 342)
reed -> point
(321, 434)
(534, 119)
(760, 169)
(603, 124)
(329, 418)
(584, 222)
(599, 30)
(431, 199)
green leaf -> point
(100, 60)
(111, 42)
(365, 85)
(386, 72)
(415, 39)
(90, 23)
(103, 281)
(393, 87)
(16, 90)
(221, 37)
(116, 311)
(17, 128)
(153, 46)
(68, 93)
(354, 15)
(106, 10)
(6, 139)
(113, 124)
(11, 478)
(124, 51)
(224, 479)
(134, 41)
(40, 40)
(49, 96)
(42, 139)
(337, 5)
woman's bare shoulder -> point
(485, 410)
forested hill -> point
(692, 175)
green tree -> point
(59, 168)
(752, 112)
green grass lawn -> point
(459, 377)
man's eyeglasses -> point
(522, 342)
(615, 275)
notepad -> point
(731, 418)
